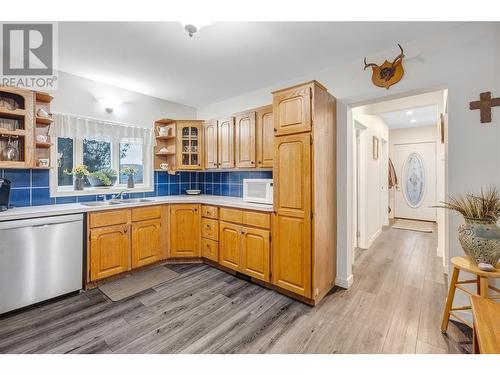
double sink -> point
(114, 202)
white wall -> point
(371, 185)
(78, 96)
(466, 60)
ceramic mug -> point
(164, 166)
(162, 131)
(43, 162)
(41, 138)
(42, 113)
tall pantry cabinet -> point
(304, 172)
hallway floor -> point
(394, 306)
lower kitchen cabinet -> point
(210, 249)
(109, 251)
(230, 245)
(245, 249)
(255, 252)
(146, 239)
(184, 230)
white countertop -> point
(74, 208)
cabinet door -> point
(265, 137)
(255, 253)
(291, 263)
(184, 230)
(230, 245)
(189, 143)
(210, 139)
(245, 140)
(109, 251)
(226, 142)
(292, 110)
(146, 242)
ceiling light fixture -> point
(194, 27)
(409, 113)
(413, 121)
(109, 104)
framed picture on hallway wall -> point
(375, 147)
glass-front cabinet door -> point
(189, 151)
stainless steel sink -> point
(135, 200)
(101, 203)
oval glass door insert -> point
(414, 180)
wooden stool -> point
(482, 287)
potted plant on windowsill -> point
(479, 235)
(130, 172)
(104, 178)
(79, 172)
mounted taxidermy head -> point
(388, 73)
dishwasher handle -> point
(40, 222)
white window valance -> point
(71, 126)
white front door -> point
(415, 165)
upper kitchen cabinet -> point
(189, 144)
(265, 136)
(211, 144)
(245, 140)
(292, 110)
(226, 142)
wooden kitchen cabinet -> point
(292, 110)
(265, 136)
(244, 143)
(225, 130)
(146, 240)
(230, 245)
(109, 251)
(211, 144)
(256, 253)
(210, 229)
(210, 249)
(189, 145)
(184, 230)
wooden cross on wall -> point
(485, 104)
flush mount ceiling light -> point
(194, 27)
(409, 113)
(413, 121)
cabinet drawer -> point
(107, 218)
(210, 249)
(146, 213)
(210, 229)
(257, 219)
(231, 214)
(209, 211)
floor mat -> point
(137, 282)
(415, 225)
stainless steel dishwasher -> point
(40, 259)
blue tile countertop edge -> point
(30, 187)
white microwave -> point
(258, 190)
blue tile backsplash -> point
(31, 187)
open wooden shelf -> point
(164, 153)
(43, 144)
(165, 137)
(44, 121)
(43, 97)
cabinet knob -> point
(195, 210)
(275, 130)
(252, 162)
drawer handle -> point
(208, 225)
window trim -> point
(65, 191)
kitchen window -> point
(100, 146)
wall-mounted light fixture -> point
(109, 104)
(194, 27)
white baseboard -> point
(344, 283)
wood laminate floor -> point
(394, 306)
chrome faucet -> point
(119, 195)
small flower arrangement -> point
(129, 171)
(78, 171)
(104, 177)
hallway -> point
(394, 306)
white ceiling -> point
(223, 59)
(410, 118)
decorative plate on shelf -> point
(193, 192)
